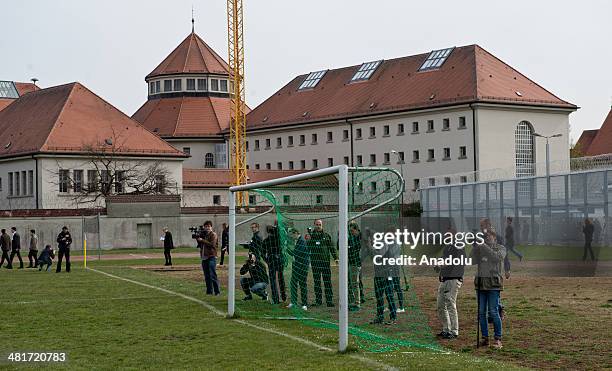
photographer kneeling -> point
(258, 282)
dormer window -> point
(201, 84)
(223, 84)
(190, 84)
(214, 84)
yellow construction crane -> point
(237, 141)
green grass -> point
(105, 323)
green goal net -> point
(287, 261)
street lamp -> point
(547, 149)
(548, 202)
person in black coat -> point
(46, 258)
(272, 250)
(588, 231)
(16, 247)
(224, 242)
(64, 240)
(5, 245)
(168, 245)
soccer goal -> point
(308, 257)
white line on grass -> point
(216, 311)
(140, 256)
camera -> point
(309, 229)
(197, 231)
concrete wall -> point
(51, 198)
(198, 149)
(122, 232)
(25, 199)
(379, 145)
(495, 135)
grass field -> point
(103, 322)
(163, 320)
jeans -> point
(322, 271)
(210, 275)
(60, 255)
(447, 305)
(248, 286)
(299, 276)
(383, 287)
(489, 303)
(510, 247)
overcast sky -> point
(111, 45)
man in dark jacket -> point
(208, 243)
(258, 281)
(224, 242)
(256, 241)
(451, 279)
(273, 256)
(299, 269)
(64, 240)
(5, 245)
(320, 246)
(509, 240)
(46, 258)
(33, 254)
(16, 247)
(168, 245)
(588, 231)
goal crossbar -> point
(342, 171)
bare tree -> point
(106, 170)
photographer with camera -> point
(258, 282)
(208, 244)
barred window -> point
(209, 160)
(524, 150)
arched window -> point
(524, 150)
(209, 160)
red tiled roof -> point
(585, 140)
(68, 119)
(220, 178)
(22, 88)
(602, 142)
(4, 102)
(185, 116)
(25, 87)
(192, 55)
(470, 74)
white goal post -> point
(342, 171)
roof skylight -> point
(435, 59)
(312, 80)
(365, 71)
(8, 90)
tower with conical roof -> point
(188, 102)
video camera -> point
(197, 231)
